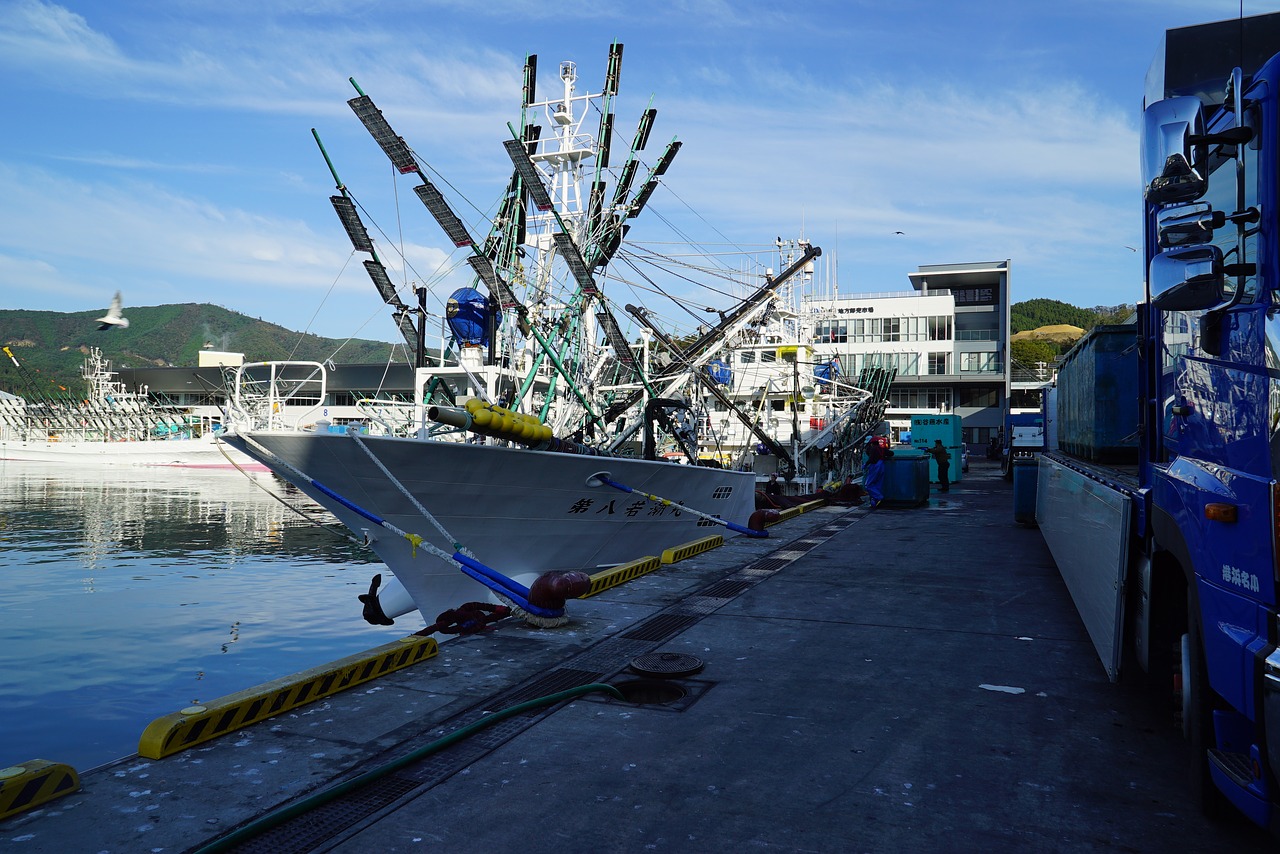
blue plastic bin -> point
(1026, 473)
(906, 481)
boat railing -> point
(127, 418)
(281, 395)
(402, 418)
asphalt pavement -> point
(896, 680)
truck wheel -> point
(1197, 724)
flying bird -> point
(899, 232)
(113, 319)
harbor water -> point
(129, 593)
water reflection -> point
(131, 593)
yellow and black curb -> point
(696, 547)
(621, 574)
(35, 783)
(198, 724)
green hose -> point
(272, 819)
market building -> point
(947, 339)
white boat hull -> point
(184, 453)
(519, 512)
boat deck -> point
(888, 680)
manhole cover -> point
(666, 664)
(651, 692)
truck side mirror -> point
(1169, 172)
(1188, 278)
(1187, 225)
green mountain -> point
(1035, 313)
(50, 346)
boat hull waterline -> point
(203, 453)
(520, 512)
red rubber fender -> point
(761, 518)
(551, 589)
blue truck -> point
(1160, 503)
(1022, 438)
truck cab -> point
(1168, 532)
(1210, 391)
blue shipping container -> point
(926, 428)
(1098, 396)
(906, 481)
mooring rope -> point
(426, 514)
(501, 585)
(351, 538)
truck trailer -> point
(1160, 503)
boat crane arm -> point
(701, 351)
(699, 372)
(731, 321)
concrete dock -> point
(889, 681)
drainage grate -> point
(768, 564)
(308, 831)
(702, 604)
(606, 655)
(661, 627)
(560, 679)
(726, 589)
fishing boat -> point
(770, 403)
(545, 445)
(110, 425)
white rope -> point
(417, 505)
(415, 539)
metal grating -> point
(408, 328)
(439, 208)
(616, 339)
(669, 665)
(664, 162)
(606, 656)
(529, 174)
(307, 831)
(438, 767)
(702, 604)
(560, 679)
(382, 282)
(642, 198)
(768, 564)
(661, 627)
(572, 257)
(495, 735)
(497, 287)
(351, 222)
(394, 147)
(623, 186)
(726, 589)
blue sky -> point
(164, 149)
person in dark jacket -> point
(873, 475)
(943, 459)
